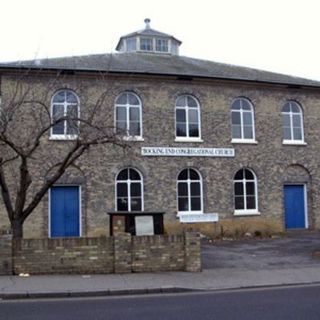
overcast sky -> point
(277, 35)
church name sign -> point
(187, 152)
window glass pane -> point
(250, 188)
(134, 129)
(146, 44)
(192, 102)
(195, 204)
(182, 189)
(294, 107)
(131, 44)
(122, 190)
(183, 175)
(133, 100)
(134, 114)
(236, 132)
(239, 175)
(136, 204)
(121, 113)
(286, 120)
(235, 118)
(71, 97)
(286, 133)
(195, 189)
(193, 130)
(193, 115)
(239, 203)
(247, 118)
(122, 204)
(296, 120)
(162, 45)
(286, 107)
(59, 97)
(181, 102)
(72, 124)
(247, 132)
(58, 112)
(297, 134)
(251, 202)
(238, 188)
(236, 105)
(136, 189)
(121, 127)
(180, 115)
(181, 129)
(123, 175)
(183, 204)
(245, 105)
(248, 174)
(193, 175)
(122, 99)
(134, 175)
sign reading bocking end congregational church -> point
(187, 152)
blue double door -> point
(295, 206)
(65, 211)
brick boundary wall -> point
(122, 253)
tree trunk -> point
(17, 229)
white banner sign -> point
(187, 152)
(199, 217)
(144, 225)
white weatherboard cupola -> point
(149, 40)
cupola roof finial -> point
(147, 22)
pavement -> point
(248, 263)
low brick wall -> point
(122, 253)
(5, 254)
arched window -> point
(65, 103)
(242, 120)
(128, 115)
(245, 192)
(189, 187)
(187, 118)
(292, 123)
(129, 190)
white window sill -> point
(186, 213)
(132, 138)
(186, 139)
(244, 141)
(246, 213)
(294, 142)
(63, 137)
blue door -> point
(294, 206)
(65, 211)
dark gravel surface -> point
(294, 250)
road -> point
(301, 302)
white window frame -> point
(65, 105)
(127, 136)
(155, 45)
(129, 182)
(245, 211)
(186, 109)
(290, 114)
(189, 181)
(241, 111)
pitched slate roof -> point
(159, 64)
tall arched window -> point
(245, 192)
(129, 190)
(242, 120)
(128, 115)
(292, 123)
(187, 118)
(189, 186)
(65, 104)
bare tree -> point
(26, 153)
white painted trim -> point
(80, 207)
(244, 141)
(187, 139)
(246, 212)
(294, 142)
